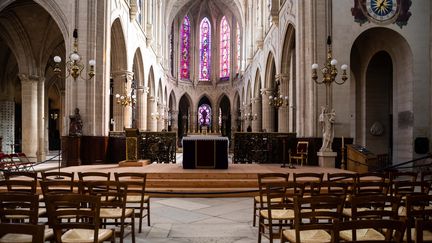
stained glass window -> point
(184, 48)
(238, 48)
(224, 49)
(205, 47)
(204, 115)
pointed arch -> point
(118, 47)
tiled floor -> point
(199, 220)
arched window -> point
(224, 49)
(238, 48)
(204, 115)
(184, 48)
(205, 47)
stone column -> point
(174, 120)
(193, 122)
(256, 114)
(127, 110)
(267, 111)
(161, 120)
(29, 91)
(152, 110)
(118, 111)
(215, 121)
(42, 120)
(149, 25)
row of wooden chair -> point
(134, 202)
(369, 186)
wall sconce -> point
(74, 66)
(277, 99)
(155, 116)
(54, 116)
(251, 117)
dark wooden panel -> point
(71, 150)
(94, 150)
(116, 147)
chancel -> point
(202, 97)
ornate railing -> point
(159, 147)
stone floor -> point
(199, 220)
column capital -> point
(282, 77)
(30, 78)
(128, 75)
(266, 91)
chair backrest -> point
(57, 175)
(404, 188)
(371, 188)
(19, 207)
(266, 178)
(335, 188)
(34, 230)
(20, 175)
(316, 213)
(19, 186)
(136, 182)
(114, 192)
(302, 147)
(417, 207)
(94, 176)
(394, 229)
(60, 187)
(307, 178)
(378, 207)
(342, 176)
(280, 195)
(84, 209)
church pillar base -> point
(326, 159)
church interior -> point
(212, 93)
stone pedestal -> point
(326, 159)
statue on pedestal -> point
(327, 119)
(76, 124)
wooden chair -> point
(19, 186)
(426, 176)
(85, 209)
(314, 218)
(114, 211)
(265, 178)
(394, 229)
(368, 207)
(278, 210)
(23, 233)
(22, 162)
(301, 153)
(22, 209)
(94, 176)
(136, 197)
(57, 175)
(423, 230)
(307, 178)
(371, 176)
(399, 176)
(418, 207)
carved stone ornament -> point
(377, 129)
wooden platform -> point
(171, 180)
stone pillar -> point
(161, 120)
(256, 114)
(149, 25)
(193, 122)
(215, 121)
(152, 110)
(267, 111)
(42, 120)
(29, 91)
(174, 121)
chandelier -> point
(126, 99)
(277, 99)
(74, 66)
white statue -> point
(327, 120)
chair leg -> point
(254, 214)
(148, 212)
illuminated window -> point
(224, 49)
(238, 49)
(184, 48)
(205, 47)
(204, 115)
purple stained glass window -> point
(184, 48)
(238, 48)
(205, 47)
(224, 49)
(204, 115)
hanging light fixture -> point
(126, 99)
(277, 99)
(74, 66)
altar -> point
(204, 152)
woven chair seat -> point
(308, 236)
(85, 235)
(136, 198)
(114, 212)
(362, 234)
(278, 214)
(19, 238)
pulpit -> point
(360, 159)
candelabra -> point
(250, 117)
(54, 116)
(74, 66)
(155, 116)
(277, 99)
(127, 99)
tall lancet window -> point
(224, 49)
(205, 47)
(238, 49)
(184, 48)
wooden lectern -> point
(360, 159)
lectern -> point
(360, 159)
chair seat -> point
(114, 212)
(347, 212)
(20, 238)
(258, 199)
(427, 235)
(308, 236)
(278, 214)
(136, 198)
(362, 234)
(85, 235)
